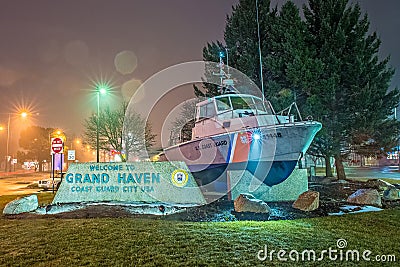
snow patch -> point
(349, 209)
(133, 208)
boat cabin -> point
(230, 106)
(231, 112)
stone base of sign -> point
(131, 208)
(138, 182)
(288, 190)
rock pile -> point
(22, 205)
(391, 194)
(248, 203)
(366, 197)
(308, 201)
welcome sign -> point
(139, 182)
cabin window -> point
(207, 111)
(210, 110)
(242, 102)
(203, 112)
(223, 103)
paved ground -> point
(17, 183)
(391, 172)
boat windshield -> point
(235, 105)
(242, 102)
(239, 102)
(223, 103)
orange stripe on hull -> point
(242, 148)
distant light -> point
(24, 114)
(221, 54)
(1, 128)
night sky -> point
(51, 51)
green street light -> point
(103, 90)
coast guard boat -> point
(242, 132)
(236, 131)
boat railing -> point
(291, 108)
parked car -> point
(48, 184)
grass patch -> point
(155, 242)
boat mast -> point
(227, 61)
(259, 53)
(225, 78)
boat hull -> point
(269, 153)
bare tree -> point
(124, 132)
(182, 126)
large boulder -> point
(248, 203)
(21, 205)
(308, 201)
(365, 197)
(391, 194)
(379, 184)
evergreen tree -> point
(351, 98)
(290, 60)
(288, 66)
(241, 42)
(328, 63)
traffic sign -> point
(57, 145)
(71, 154)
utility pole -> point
(398, 141)
(8, 141)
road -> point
(16, 183)
(373, 172)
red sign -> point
(115, 152)
(57, 145)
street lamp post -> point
(8, 141)
(100, 90)
(23, 115)
(98, 125)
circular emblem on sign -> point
(179, 177)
